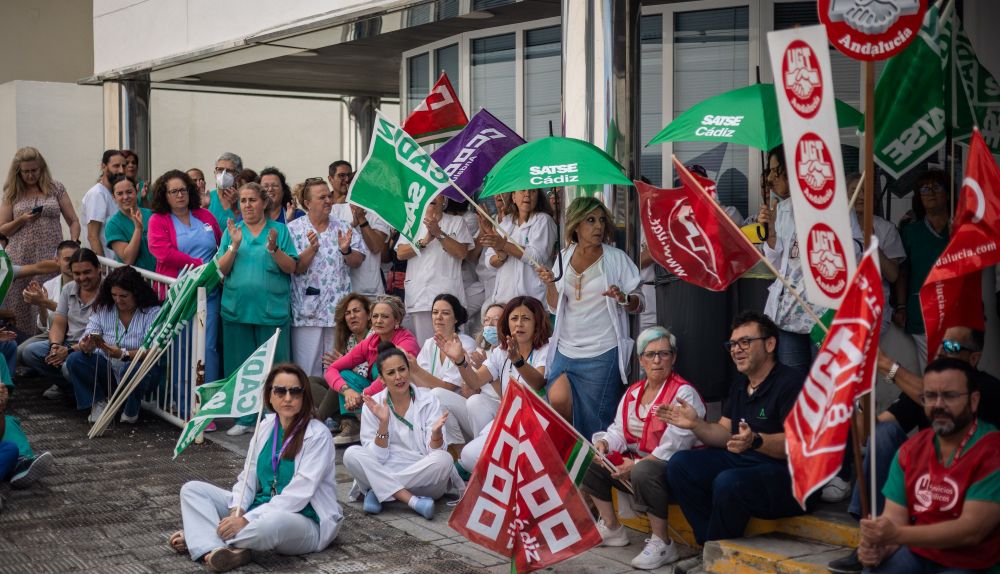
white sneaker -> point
(53, 392)
(96, 410)
(239, 429)
(655, 554)
(129, 420)
(836, 490)
(613, 538)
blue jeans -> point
(34, 357)
(720, 491)
(796, 350)
(888, 438)
(92, 381)
(903, 561)
(8, 458)
(597, 386)
(212, 336)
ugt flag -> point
(816, 429)
(397, 180)
(952, 294)
(690, 236)
(521, 502)
(237, 396)
(438, 117)
(471, 154)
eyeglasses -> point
(931, 189)
(743, 343)
(178, 191)
(931, 397)
(282, 391)
(653, 355)
(231, 172)
(954, 347)
(270, 186)
(345, 176)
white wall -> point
(189, 129)
(160, 28)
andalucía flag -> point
(237, 396)
(439, 117)
(6, 274)
(397, 180)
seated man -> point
(942, 508)
(45, 296)
(744, 472)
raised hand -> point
(476, 357)
(742, 440)
(439, 424)
(433, 224)
(272, 239)
(344, 239)
(513, 351)
(235, 233)
(135, 214)
(290, 211)
(358, 215)
(680, 414)
(34, 293)
(377, 408)
(313, 240)
(452, 348)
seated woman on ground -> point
(433, 370)
(640, 444)
(401, 456)
(289, 494)
(524, 337)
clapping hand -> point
(377, 408)
(290, 211)
(358, 215)
(476, 357)
(34, 293)
(344, 239)
(313, 240)
(7, 335)
(513, 351)
(742, 440)
(235, 233)
(272, 240)
(433, 223)
(680, 414)
(452, 348)
(439, 424)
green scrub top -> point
(923, 246)
(120, 228)
(257, 292)
(265, 475)
(222, 216)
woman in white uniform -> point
(532, 231)
(402, 454)
(524, 338)
(433, 370)
(289, 494)
(444, 242)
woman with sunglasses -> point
(639, 444)
(402, 454)
(599, 285)
(285, 500)
(387, 314)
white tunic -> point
(366, 278)
(98, 205)
(435, 271)
(429, 360)
(516, 277)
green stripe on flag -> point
(578, 462)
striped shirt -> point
(106, 323)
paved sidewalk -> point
(110, 504)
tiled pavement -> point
(110, 504)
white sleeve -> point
(246, 483)
(892, 244)
(674, 438)
(461, 233)
(494, 362)
(774, 255)
(426, 356)
(541, 240)
(369, 424)
(311, 466)
(614, 436)
(92, 208)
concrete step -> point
(773, 553)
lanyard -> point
(118, 321)
(276, 454)
(388, 399)
(961, 446)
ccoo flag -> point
(237, 396)
(816, 428)
(471, 154)
(397, 180)
(952, 294)
(438, 117)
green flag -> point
(910, 100)
(978, 93)
(181, 304)
(237, 396)
(6, 274)
(397, 180)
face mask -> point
(490, 334)
(224, 180)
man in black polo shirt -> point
(744, 472)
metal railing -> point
(173, 399)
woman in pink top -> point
(386, 316)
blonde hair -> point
(13, 187)
(577, 212)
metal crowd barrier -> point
(174, 398)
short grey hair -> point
(654, 333)
(230, 156)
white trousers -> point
(423, 326)
(308, 346)
(204, 505)
(482, 409)
(427, 476)
(458, 428)
(472, 451)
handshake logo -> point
(802, 81)
(871, 17)
(814, 169)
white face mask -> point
(224, 180)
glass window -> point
(418, 82)
(542, 82)
(493, 81)
(447, 9)
(651, 96)
(711, 56)
(446, 60)
(487, 4)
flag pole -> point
(496, 225)
(256, 432)
(868, 491)
(723, 216)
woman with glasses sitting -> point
(285, 500)
(639, 444)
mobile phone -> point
(96, 337)
(37, 209)
(312, 291)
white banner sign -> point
(803, 84)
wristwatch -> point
(519, 363)
(758, 441)
(348, 252)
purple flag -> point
(473, 152)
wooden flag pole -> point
(496, 225)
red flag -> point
(816, 429)
(520, 501)
(439, 117)
(690, 236)
(952, 294)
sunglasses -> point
(282, 391)
(954, 347)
